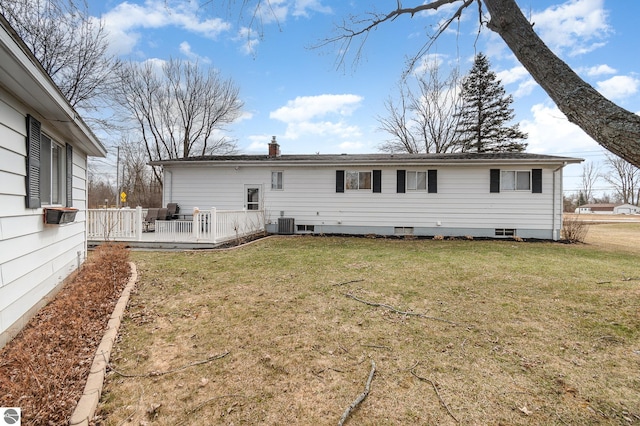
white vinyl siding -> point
(462, 199)
(34, 257)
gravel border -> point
(88, 403)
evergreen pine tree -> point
(485, 113)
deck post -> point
(138, 225)
(195, 223)
(214, 224)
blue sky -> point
(298, 94)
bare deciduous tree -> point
(588, 179)
(424, 122)
(71, 46)
(137, 180)
(612, 126)
(625, 179)
(179, 109)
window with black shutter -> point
(377, 181)
(401, 181)
(33, 163)
(494, 180)
(339, 180)
(432, 181)
(536, 181)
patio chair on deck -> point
(150, 220)
(163, 214)
(172, 210)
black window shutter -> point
(494, 184)
(536, 181)
(339, 180)
(377, 181)
(69, 176)
(33, 163)
(432, 181)
(401, 182)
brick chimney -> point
(274, 148)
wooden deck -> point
(201, 229)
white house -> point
(626, 209)
(462, 194)
(44, 147)
(596, 208)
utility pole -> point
(118, 179)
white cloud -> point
(249, 40)
(551, 133)
(305, 108)
(618, 87)
(597, 70)
(575, 27)
(185, 49)
(321, 115)
(351, 146)
(519, 75)
(512, 75)
(302, 7)
(122, 21)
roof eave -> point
(554, 161)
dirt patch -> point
(44, 368)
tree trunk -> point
(613, 127)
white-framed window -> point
(52, 172)
(276, 180)
(515, 180)
(416, 181)
(358, 180)
(252, 197)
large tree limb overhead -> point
(613, 127)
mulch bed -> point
(43, 370)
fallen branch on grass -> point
(360, 398)
(391, 308)
(202, 404)
(435, 388)
(348, 282)
(163, 373)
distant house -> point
(44, 147)
(626, 209)
(462, 194)
(598, 208)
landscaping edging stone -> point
(88, 403)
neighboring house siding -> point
(463, 201)
(34, 258)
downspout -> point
(554, 234)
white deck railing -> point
(211, 226)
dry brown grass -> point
(545, 334)
(615, 236)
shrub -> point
(574, 230)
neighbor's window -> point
(416, 181)
(276, 180)
(358, 180)
(512, 180)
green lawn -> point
(508, 333)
